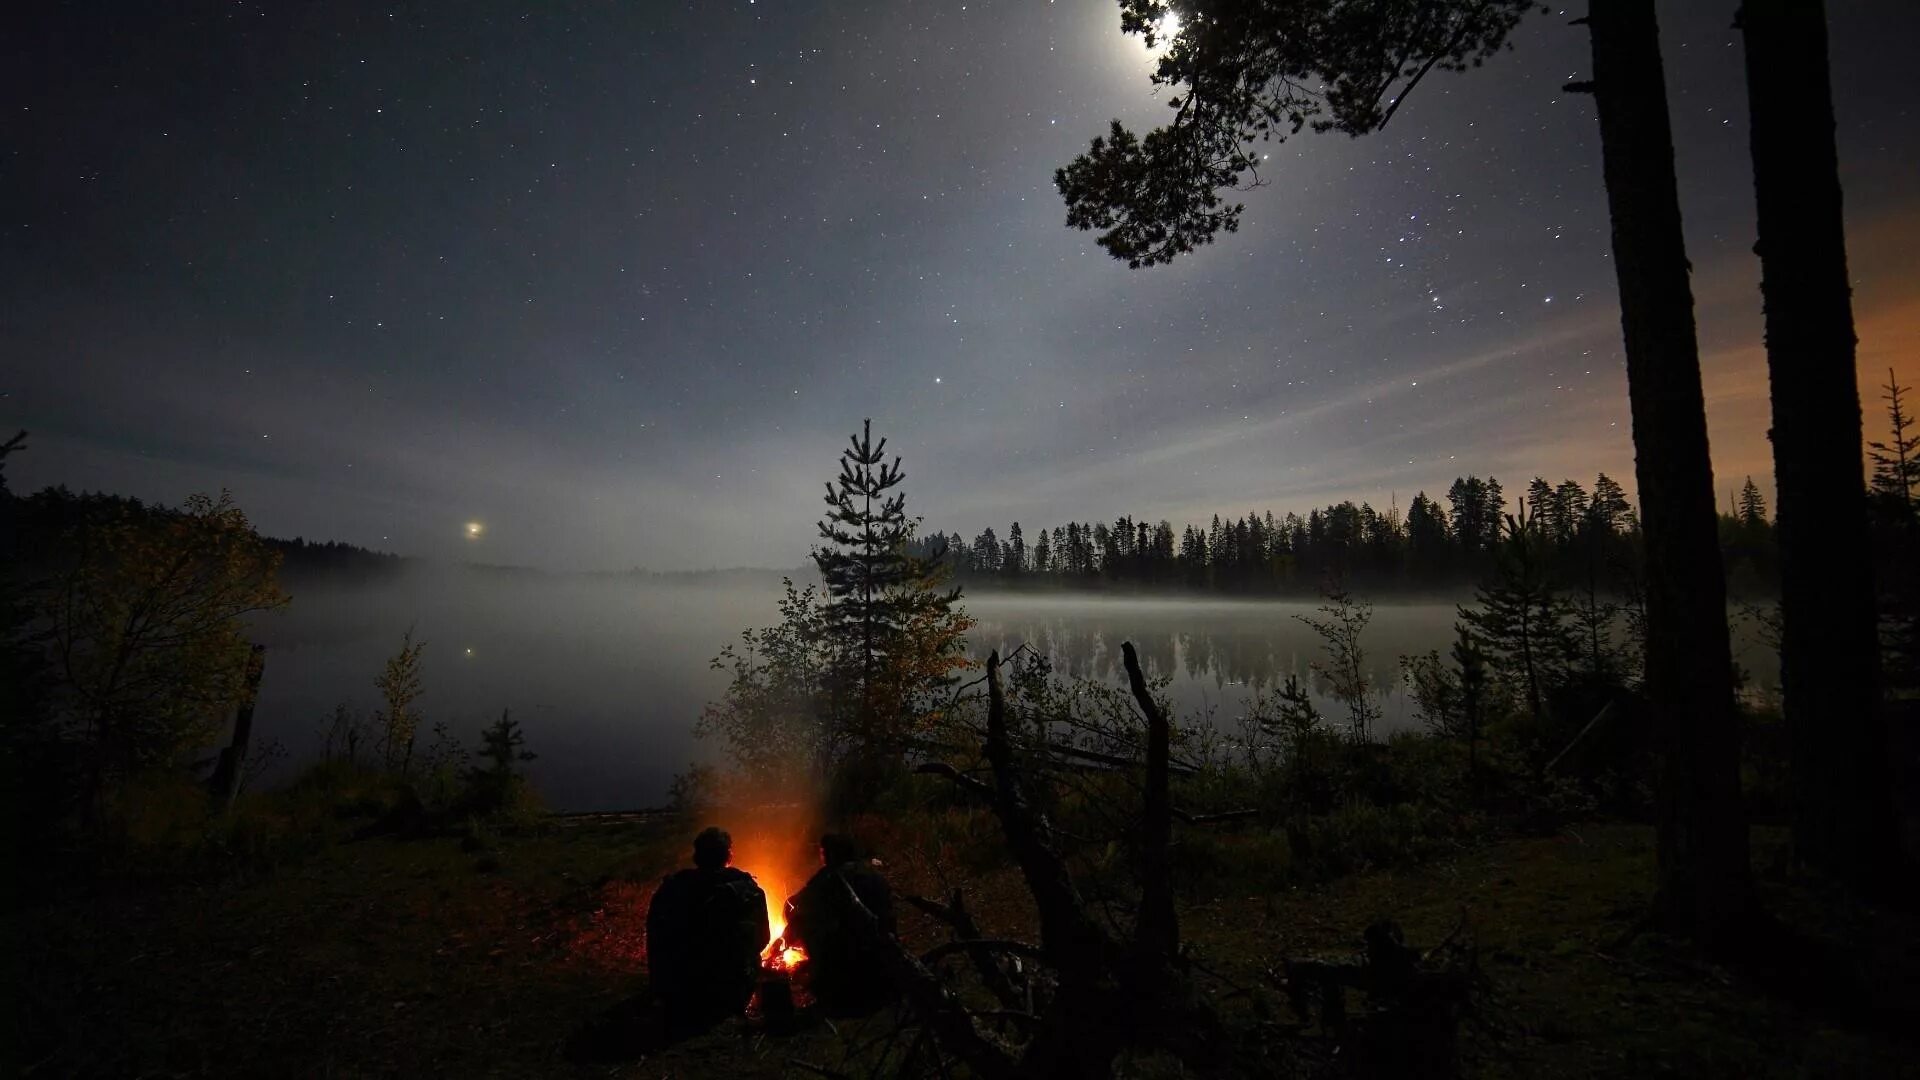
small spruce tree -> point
(893, 632)
(1896, 463)
(399, 686)
(1521, 621)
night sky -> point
(617, 279)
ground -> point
(524, 956)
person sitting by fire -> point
(705, 929)
(846, 965)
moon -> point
(475, 529)
(1164, 32)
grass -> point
(434, 956)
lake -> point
(607, 674)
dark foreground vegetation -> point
(522, 954)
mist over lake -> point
(608, 673)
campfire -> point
(780, 859)
(778, 955)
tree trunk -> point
(1843, 816)
(1703, 883)
(227, 774)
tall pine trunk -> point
(1703, 883)
(1843, 815)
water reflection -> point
(1220, 654)
(608, 675)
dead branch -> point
(965, 782)
(1157, 936)
(817, 1070)
(1069, 937)
(1114, 760)
(936, 1005)
(967, 934)
(1605, 711)
(1210, 819)
(1008, 945)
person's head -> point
(837, 848)
(713, 848)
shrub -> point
(695, 790)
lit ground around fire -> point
(402, 958)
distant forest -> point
(47, 518)
(1588, 535)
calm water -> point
(608, 675)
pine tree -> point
(1704, 882)
(1752, 505)
(1521, 621)
(1014, 556)
(1540, 504)
(1896, 463)
(1569, 511)
(492, 785)
(987, 553)
(1426, 537)
(875, 588)
(1609, 509)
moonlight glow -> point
(475, 530)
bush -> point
(1207, 862)
(694, 791)
(1360, 836)
(858, 783)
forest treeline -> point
(45, 519)
(1590, 537)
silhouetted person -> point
(705, 929)
(846, 962)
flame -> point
(780, 855)
(778, 954)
